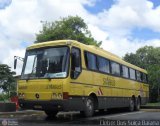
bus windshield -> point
(46, 63)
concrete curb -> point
(7, 107)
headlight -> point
(21, 95)
(54, 95)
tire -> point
(138, 104)
(131, 105)
(51, 113)
(89, 107)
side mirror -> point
(15, 63)
(15, 60)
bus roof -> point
(90, 48)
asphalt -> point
(113, 117)
(33, 111)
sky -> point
(123, 26)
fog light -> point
(60, 95)
(23, 95)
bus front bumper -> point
(59, 105)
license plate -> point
(38, 107)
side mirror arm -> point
(15, 60)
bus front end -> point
(44, 73)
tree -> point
(133, 58)
(7, 81)
(66, 28)
(148, 58)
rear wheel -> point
(89, 107)
(131, 105)
(51, 113)
(138, 104)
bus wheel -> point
(89, 107)
(138, 104)
(131, 105)
(51, 113)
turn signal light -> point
(21, 95)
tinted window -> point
(76, 63)
(115, 68)
(144, 77)
(132, 74)
(46, 63)
(103, 64)
(125, 71)
(90, 61)
(139, 76)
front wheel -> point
(51, 113)
(89, 107)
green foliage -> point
(148, 58)
(133, 58)
(153, 104)
(73, 28)
(7, 81)
(4, 97)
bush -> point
(158, 99)
(4, 97)
(13, 94)
(153, 95)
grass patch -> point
(153, 104)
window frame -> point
(110, 68)
(140, 76)
(46, 47)
(119, 68)
(106, 60)
(130, 74)
(146, 81)
(128, 77)
(85, 56)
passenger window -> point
(144, 77)
(132, 74)
(115, 67)
(103, 65)
(125, 72)
(75, 63)
(139, 76)
(90, 61)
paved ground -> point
(145, 117)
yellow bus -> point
(66, 75)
